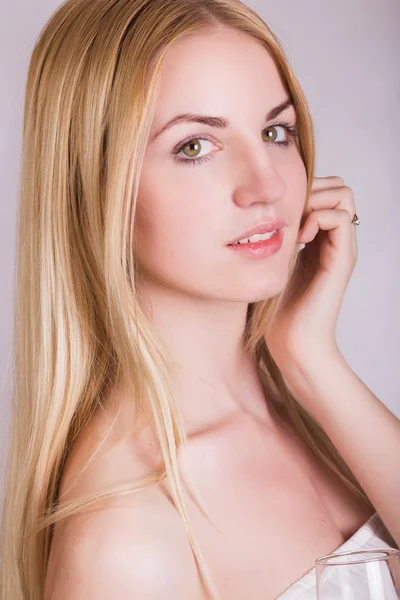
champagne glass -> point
(372, 574)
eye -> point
(192, 146)
(292, 131)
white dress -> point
(372, 535)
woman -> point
(161, 369)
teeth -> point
(257, 237)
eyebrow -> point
(219, 122)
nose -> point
(257, 179)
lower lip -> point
(260, 249)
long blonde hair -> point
(79, 322)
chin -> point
(272, 285)
(263, 290)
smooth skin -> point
(275, 507)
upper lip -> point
(263, 227)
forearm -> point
(364, 430)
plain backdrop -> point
(345, 54)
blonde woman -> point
(185, 425)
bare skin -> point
(274, 506)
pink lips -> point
(262, 248)
(263, 227)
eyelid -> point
(290, 129)
(191, 137)
(201, 136)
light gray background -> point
(345, 54)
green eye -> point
(290, 134)
(271, 137)
(194, 147)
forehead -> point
(225, 72)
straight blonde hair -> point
(79, 322)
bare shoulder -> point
(120, 553)
(135, 545)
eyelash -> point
(292, 131)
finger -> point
(332, 181)
(340, 197)
(336, 221)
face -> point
(188, 210)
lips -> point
(263, 227)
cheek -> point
(171, 227)
(296, 180)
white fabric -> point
(372, 535)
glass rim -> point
(386, 554)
